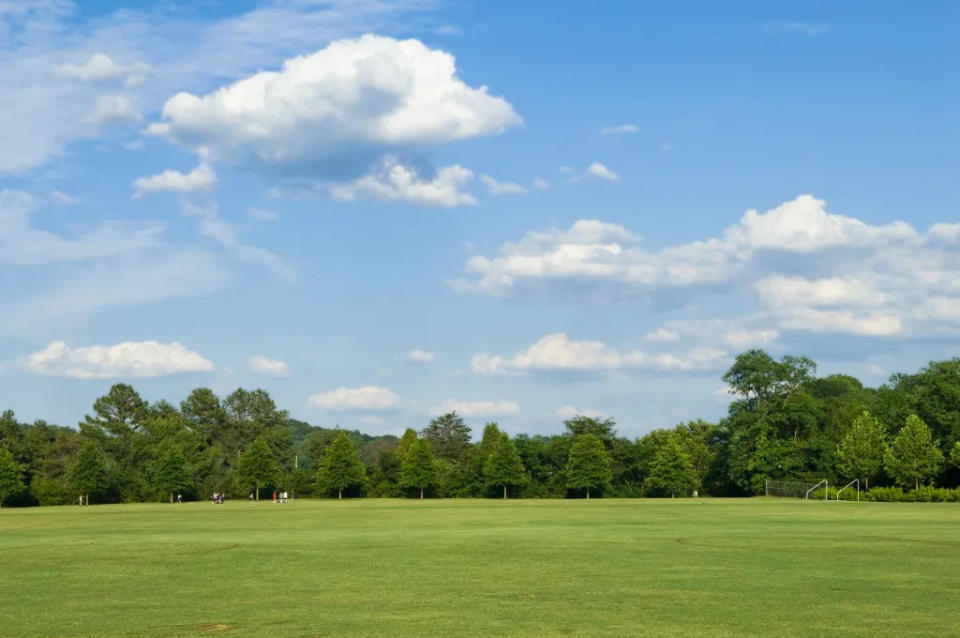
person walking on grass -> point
(274, 497)
(179, 499)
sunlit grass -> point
(482, 568)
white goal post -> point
(793, 489)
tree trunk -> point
(504, 491)
(171, 497)
(258, 492)
(866, 485)
(339, 495)
(87, 500)
(588, 493)
(421, 493)
(916, 483)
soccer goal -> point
(793, 489)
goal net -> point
(789, 489)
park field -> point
(604, 567)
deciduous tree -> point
(258, 466)
(340, 467)
(588, 466)
(503, 468)
(862, 449)
(11, 476)
(672, 470)
(419, 467)
(913, 457)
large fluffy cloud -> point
(124, 360)
(367, 93)
(557, 353)
(368, 397)
(56, 62)
(809, 269)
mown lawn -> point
(483, 568)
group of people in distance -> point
(218, 498)
(280, 496)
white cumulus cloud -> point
(557, 353)
(393, 181)
(128, 359)
(810, 271)
(477, 408)
(368, 397)
(101, 68)
(202, 178)
(599, 170)
(269, 367)
(372, 92)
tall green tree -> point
(11, 476)
(172, 476)
(503, 467)
(863, 448)
(340, 467)
(258, 466)
(588, 466)
(913, 457)
(403, 445)
(955, 454)
(419, 468)
(449, 436)
(88, 475)
(672, 471)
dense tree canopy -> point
(783, 422)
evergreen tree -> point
(172, 475)
(340, 467)
(862, 449)
(913, 457)
(588, 466)
(955, 454)
(449, 436)
(419, 468)
(88, 475)
(11, 477)
(258, 466)
(672, 470)
(403, 445)
(504, 467)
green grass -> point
(482, 568)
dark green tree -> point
(340, 467)
(419, 468)
(862, 449)
(11, 476)
(173, 475)
(258, 466)
(449, 436)
(672, 470)
(88, 475)
(588, 466)
(603, 429)
(913, 457)
(503, 468)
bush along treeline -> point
(784, 423)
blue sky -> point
(379, 211)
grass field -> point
(483, 568)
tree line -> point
(784, 422)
